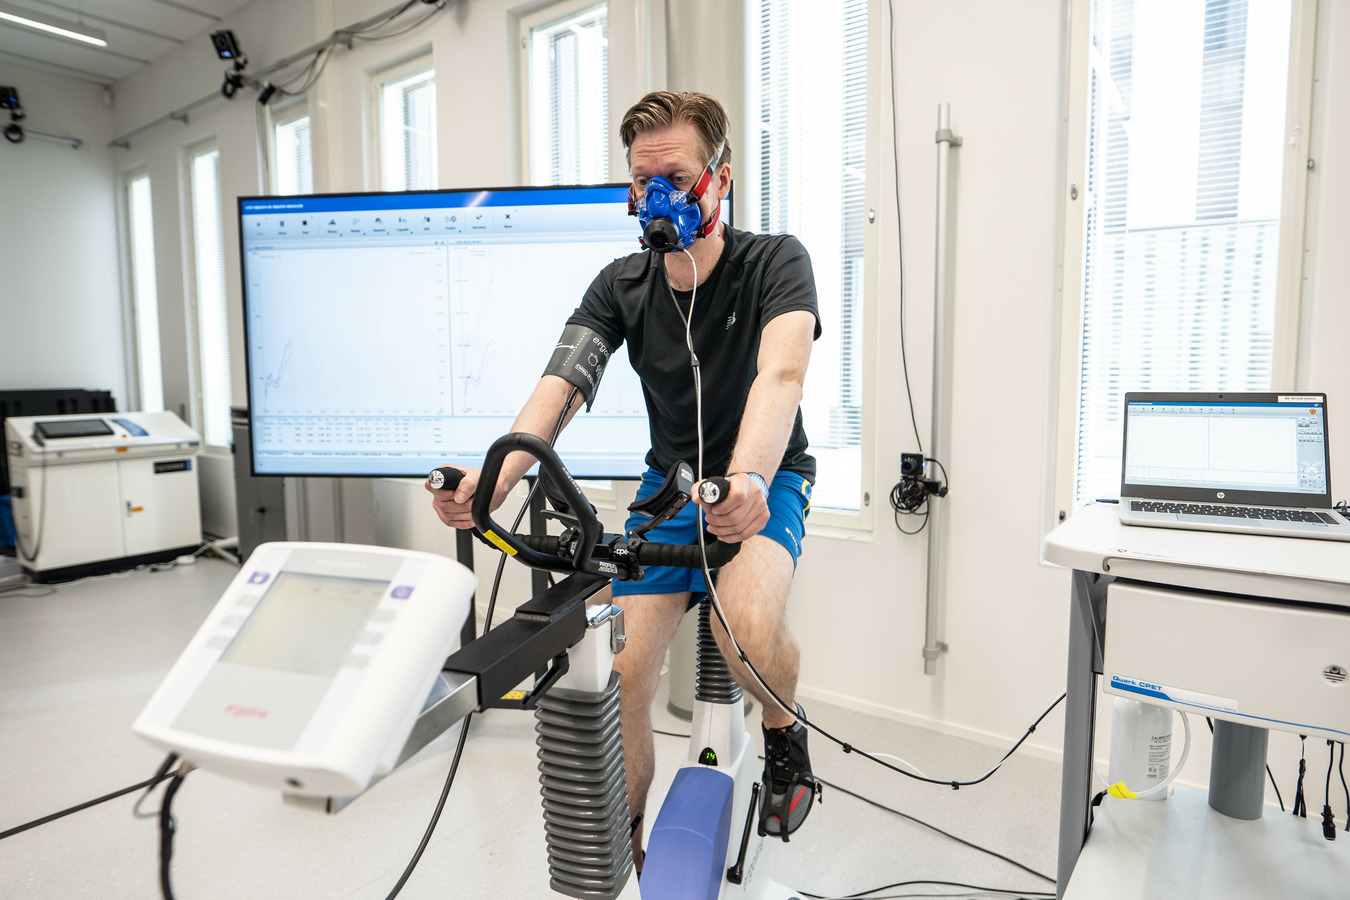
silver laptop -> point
(1252, 463)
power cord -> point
(917, 821)
(41, 520)
(1300, 806)
(970, 889)
(717, 603)
(1329, 817)
(910, 495)
(899, 232)
(149, 783)
(1344, 786)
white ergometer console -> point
(310, 671)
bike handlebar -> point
(682, 556)
(542, 551)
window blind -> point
(569, 59)
(294, 163)
(1181, 210)
(408, 132)
(811, 103)
(213, 328)
(145, 293)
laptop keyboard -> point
(1234, 512)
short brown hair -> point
(662, 109)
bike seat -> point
(668, 499)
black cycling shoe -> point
(789, 788)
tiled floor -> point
(77, 665)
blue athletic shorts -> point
(789, 503)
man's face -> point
(676, 154)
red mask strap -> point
(697, 194)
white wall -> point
(857, 604)
(60, 287)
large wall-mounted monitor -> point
(390, 333)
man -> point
(752, 322)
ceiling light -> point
(75, 31)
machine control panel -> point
(311, 669)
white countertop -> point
(1284, 568)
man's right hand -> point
(453, 507)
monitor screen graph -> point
(390, 333)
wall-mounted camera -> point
(227, 48)
(9, 99)
(913, 490)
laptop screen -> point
(1234, 448)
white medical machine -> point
(97, 493)
(311, 670)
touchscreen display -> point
(72, 428)
(306, 624)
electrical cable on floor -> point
(970, 888)
(159, 776)
(435, 816)
(906, 816)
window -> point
(145, 296)
(293, 166)
(407, 103)
(568, 96)
(806, 168)
(213, 355)
(1181, 227)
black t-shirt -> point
(757, 278)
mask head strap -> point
(696, 194)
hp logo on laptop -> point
(1221, 495)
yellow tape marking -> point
(499, 543)
(514, 695)
(1121, 792)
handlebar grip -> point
(446, 478)
(686, 556)
(544, 543)
(714, 490)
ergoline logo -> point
(235, 711)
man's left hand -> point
(741, 515)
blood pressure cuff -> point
(580, 358)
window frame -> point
(196, 373)
(1063, 382)
(280, 114)
(132, 307)
(380, 79)
(824, 521)
(546, 15)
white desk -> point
(1133, 843)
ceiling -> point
(139, 32)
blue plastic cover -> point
(687, 850)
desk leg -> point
(1088, 598)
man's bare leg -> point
(650, 622)
(753, 589)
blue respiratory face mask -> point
(671, 219)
